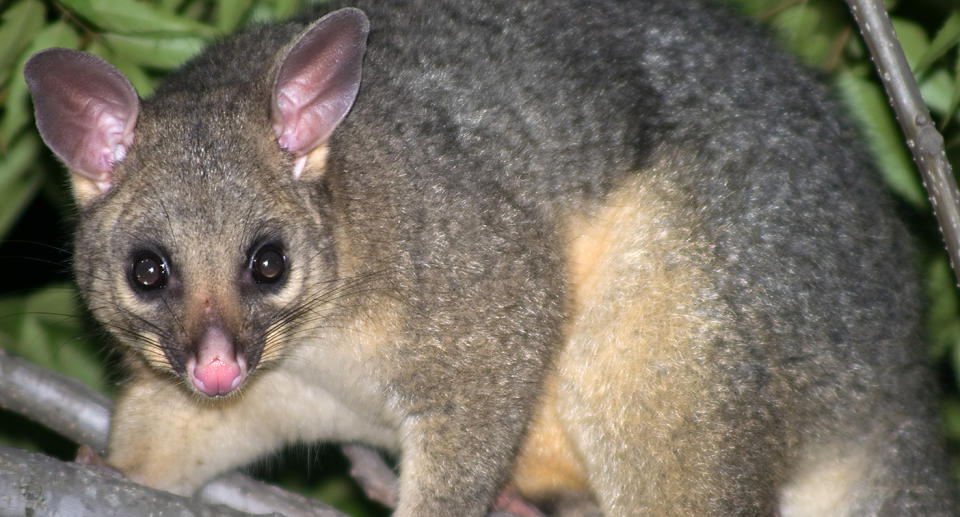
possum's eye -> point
(149, 271)
(267, 264)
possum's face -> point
(203, 242)
(206, 271)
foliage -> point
(40, 317)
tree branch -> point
(83, 415)
(34, 484)
(923, 139)
(60, 403)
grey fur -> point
(479, 127)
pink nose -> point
(217, 368)
(218, 377)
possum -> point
(622, 252)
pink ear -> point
(318, 79)
(85, 110)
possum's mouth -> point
(218, 367)
(218, 377)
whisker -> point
(40, 313)
(320, 309)
(38, 244)
(176, 318)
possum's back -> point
(560, 102)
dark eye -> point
(268, 264)
(149, 271)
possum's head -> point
(203, 233)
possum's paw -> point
(88, 457)
(510, 501)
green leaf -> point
(15, 199)
(18, 26)
(17, 112)
(913, 38)
(955, 96)
(75, 359)
(756, 8)
(946, 38)
(32, 343)
(34, 325)
(812, 30)
(17, 184)
(870, 109)
(170, 6)
(943, 312)
(55, 305)
(141, 80)
(20, 156)
(196, 9)
(47, 328)
(936, 88)
(951, 418)
(131, 17)
(229, 14)
(158, 52)
(286, 8)
(800, 26)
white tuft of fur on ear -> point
(85, 109)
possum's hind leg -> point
(890, 471)
(677, 439)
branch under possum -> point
(83, 415)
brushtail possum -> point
(626, 251)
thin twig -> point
(372, 474)
(923, 139)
